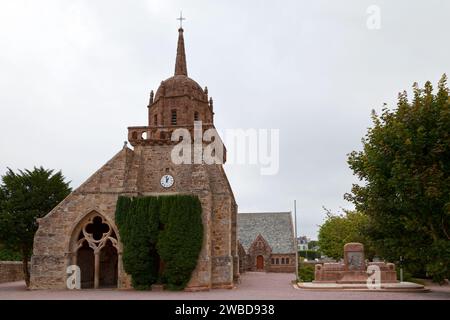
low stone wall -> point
(11, 271)
(282, 269)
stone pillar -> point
(97, 269)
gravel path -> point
(253, 286)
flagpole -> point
(296, 240)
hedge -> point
(310, 254)
(180, 242)
(151, 228)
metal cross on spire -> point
(181, 19)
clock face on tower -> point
(167, 181)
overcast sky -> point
(74, 74)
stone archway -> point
(96, 253)
(108, 266)
(86, 262)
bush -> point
(306, 272)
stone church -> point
(81, 230)
(266, 242)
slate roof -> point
(276, 227)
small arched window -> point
(174, 117)
(196, 116)
(277, 261)
(287, 260)
(155, 119)
(282, 260)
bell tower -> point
(178, 102)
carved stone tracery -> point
(96, 232)
(97, 245)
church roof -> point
(180, 84)
(275, 227)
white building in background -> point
(302, 243)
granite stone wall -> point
(282, 267)
(137, 173)
(11, 271)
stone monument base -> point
(333, 286)
(355, 269)
(355, 273)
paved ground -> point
(253, 286)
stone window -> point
(196, 116)
(272, 261)
(282, 260)
(97, 254)
(174, 117)
(155, 119)
(287, 260)
(277, 261)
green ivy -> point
(180, 242)
(166, 227)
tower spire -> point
(180, 64)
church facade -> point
(81, 230)
(266, 242)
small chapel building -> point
(266, 242)
(81, 231)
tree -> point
(24, 197)
(312, 244)
(337, 230)
(405, 165)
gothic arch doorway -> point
(86, 262)
(97, 254)
(260, 263)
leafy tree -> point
(9, 255)
(24, 197)
(312, 244)
(405, 164)
(337, 230)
